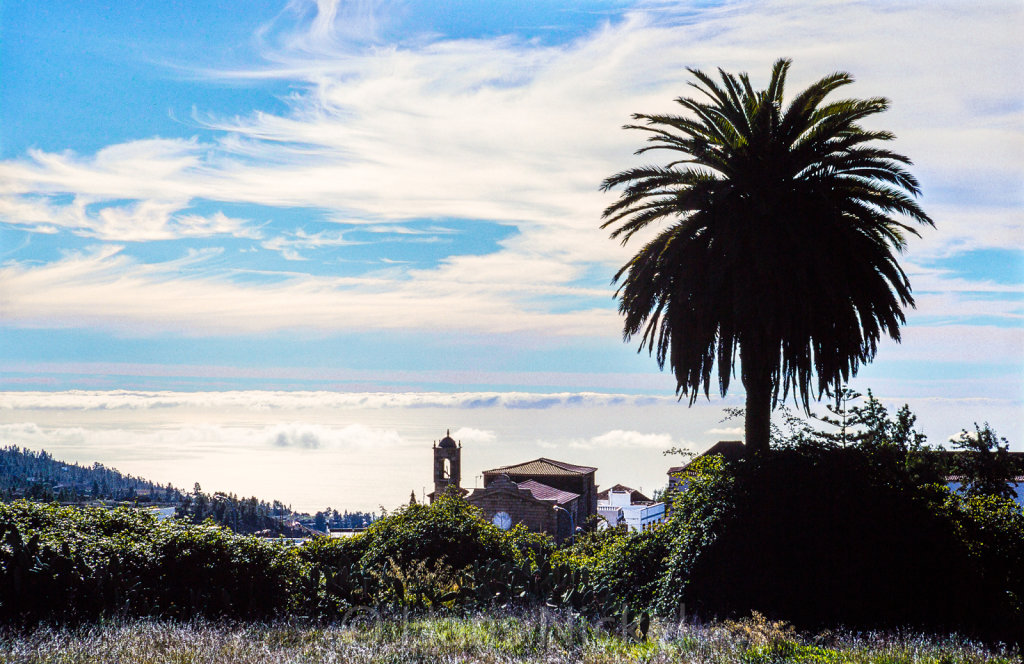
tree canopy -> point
(779, 228)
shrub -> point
(449, 529)
(624, 568)
(71, 563)
(209, 571)
(422, 556)
(824, 537)
(992, 529)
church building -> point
(545, 495)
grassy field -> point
(536, 637)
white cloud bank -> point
(360, 450)
(270, 401)
(619, 438)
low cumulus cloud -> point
(144, 439)
(311, 437)
(471, 435)
(622, 439)
(155, 435)
(295, 436)
(726, 431)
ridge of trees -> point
(38, 477)
(980, 461)
(254, 516)
(25, 473)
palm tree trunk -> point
(758, 415)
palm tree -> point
(778, 241)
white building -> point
(620, 504)
(612, 516)
(162, 513)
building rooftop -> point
(542, 467)
(545, 492)
(634, 495)
(732, 450)
(447, 441)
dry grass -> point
(528, 638)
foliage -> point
(242, 515)
(73, 563)
(887, 440)
(984, 464)
(992, 529)
(823, 536)
(700, 514)
(38, 476)
(332, 580)
(450, 529)
(781, 240)
(533, 637)
(624, 567)
(836, 536)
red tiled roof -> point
(545, 492)
(543, 466)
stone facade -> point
(503, 496)
(579, 480)
(447, 467)
(544, 495)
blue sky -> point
(395, 197)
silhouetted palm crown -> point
(780, 239)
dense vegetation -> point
(34, 475)
(533, 637)
(37, 476)
(242, 515)
(823, 532)
(251, 516)
(851, 543)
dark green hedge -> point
(825, 537)
(81, 563)
(809, 535)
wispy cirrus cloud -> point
(503, 130)
(140, 221)
(103, 287)
(290, 243)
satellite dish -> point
(502, 520)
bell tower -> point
(447, 465)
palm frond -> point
(783, 224)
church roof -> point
(545, 492)
(447, 441)
(542, 467)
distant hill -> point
(32, 475)
(35, 475)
